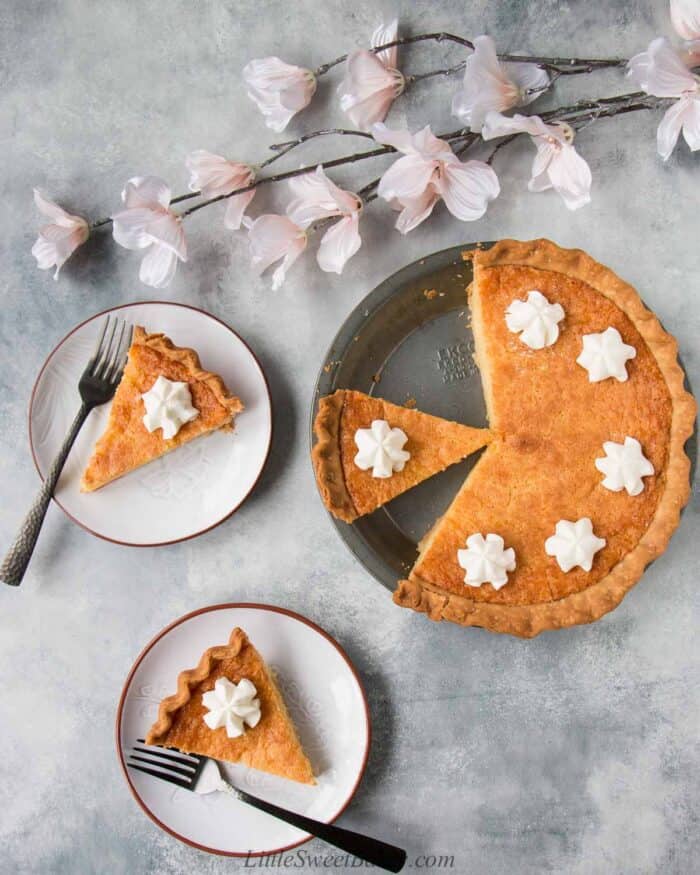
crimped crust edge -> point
(189, 679)
(325, 457)
(189, 358)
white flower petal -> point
(371, 109)
(213, 175)
(58, 240)
(236, 206)
(691, 123)
(318, 197)
(52, 211)
(295, 249)
(273, 238)
(167, 230)
(467, 189)
(416, 210)
(368, 89)
(544, 155)
(530, 80)
(498, 125)
(401, 139)
(669, 129)
(386, 33)
(660, 71)
(279, 89)
(407, 178)
(158, 266)
(129, 227)
(485, 87)
(571, 177)
(340, 242)
(146, 191)
(685, 17)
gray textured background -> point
(576, 752)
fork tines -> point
(168, 764)
(113, 344)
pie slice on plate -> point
(584, 483)
(368, 450)
(230, 708)
(185, 397)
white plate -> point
(327, 704)
(184, 493)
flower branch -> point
(426, 169)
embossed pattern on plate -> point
(183, 493)
(326, 702)
(409, 341)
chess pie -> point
(351, 427)
(583, 483)
(156, 367)
(230, 708)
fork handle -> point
(17, 558)
(371, 850)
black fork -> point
(97, 385)
(202, 775)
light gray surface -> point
(576, 752)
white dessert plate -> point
(325, 699)
(186, 492)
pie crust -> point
(349, 492)
(550, 422)
(271, 746)
(126, 444)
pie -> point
(350, 492)
(271, 745)
(126, 443)
(552, 410)
(585, 474)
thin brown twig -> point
(566, 66)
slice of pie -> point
(127, 443)
(356, 434)
(246, 719)
(584, 484)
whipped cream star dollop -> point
(624, 465)
(381, 449)
(574, 544)
(233, 706)
(486, 561)
(536, 319)
(604, 355)
(168, 406)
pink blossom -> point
(60, 237)
(273, 238)
(147, 223)
(429, 170)
(214, 176)
(685, 17)
(317, 197)
(661, 72)
(372, 82)
(280, 90)
(557, 164)
(489, 85)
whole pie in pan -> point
(586, 474)
(157, 368)
(230, 708)
(350, 423)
